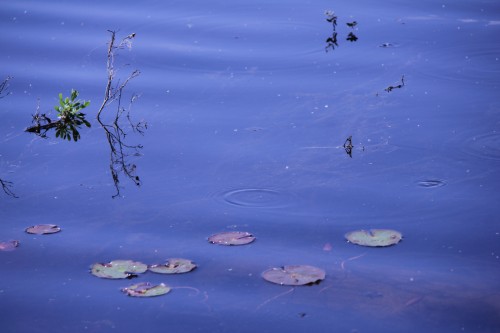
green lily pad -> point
(146, 289)
(173, 266)
(374, 237)
(232, 238)
(118, 269)
(42, 229)
(294, 275)
(9, 245)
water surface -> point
(248, 110)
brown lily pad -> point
(118, 269)
(374, 237)
(9, 245)
(173, 266)
(232, 238)
(146, 289)
(43, 229)
(294, 275)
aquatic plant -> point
(232, 238)
(294, 275)
(146, 289)
(70, 118)
(43, 229)
(374, 237)
(173, 266)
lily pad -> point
(9, 245)
(146, 289)
(173, 266)
(118, 269)
(42, 229)
(294, 275)
(374, 237)
(232, 238)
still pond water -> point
(248, 105)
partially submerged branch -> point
(70, 118)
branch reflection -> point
(332, 41)
(6, 185)
(115, 128)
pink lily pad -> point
(294, 275)
(173, 266)
(146, 289)
(9, 245)
(42, 229)
(232, 238)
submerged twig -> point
(273, 298)
(4, 85)
(342, 264)
(115, 134)
(401, 85)
(6, 187)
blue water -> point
(247, 114)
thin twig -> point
(273, 298)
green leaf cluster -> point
(70, 116)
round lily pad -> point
(173, 266)
(232, 238)
(118, 269)
(294, 275)
(42, 229)
(374, 237)
(9, 245)
(146, 289)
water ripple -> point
(431, 183)
(256, 198)
(486, 145)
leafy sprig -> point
(70, 116)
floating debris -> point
(348, 146)
(43, 229)
(232, 238)
(374, 237)
(294, 275)
(173, 266)
(146, 289)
